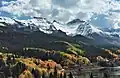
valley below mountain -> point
(45, 44)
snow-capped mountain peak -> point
(82, 27)
(95, 29)
(75, 21)
(38, 23)
(116, 26)
(7, 20)
(74, 27)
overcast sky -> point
(102, 13)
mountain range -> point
(40, 32)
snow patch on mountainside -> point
(7, 20)
(116, 26)
(39, 23)
(74, 27)
(94, 29)
(65, 28)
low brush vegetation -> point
(38, 62)
(25, 67)
(58, 56)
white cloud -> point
(40, 4)
(99, 6)
(5, 3)
(65, 3)
(114, 19)
(64, 15)
(26, 7)
(84, 16)
(63, 10)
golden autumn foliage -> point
(110, 53)
(72, 59)
(26, 74)
(25, 66)
(118, 51)
(49, 63)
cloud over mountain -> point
(64, 10)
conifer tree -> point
(105, 75)
(91, 75)
(61, 76)
(9, 61)
(51, 75)
(70, 75)
(65, 76)
(55, 72)
(34, 73)
(43, 75)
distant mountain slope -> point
(40, 32)
(15, 42)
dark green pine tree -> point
(61, 76)
(48, 67)
(8, 61)
(13, 60)
(2, 75)
(70, 75)
(55, 72)
(43, 75)
(2, 62)
(105, 75)
(51, 75)
(65, 76)
(7, 72)
(34, 73)
(18, 69)
(91, 75)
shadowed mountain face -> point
(58, 41)
(41, 33)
